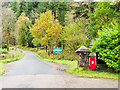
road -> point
(31, 72)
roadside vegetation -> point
(2, 68)
(9, 56)
(14, 58)
(74, 70)
(42, 26)
(72, 65)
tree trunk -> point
(14, 41)
(46, 48)
(8, 45)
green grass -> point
(4, 61)
(2, 68)
(3, 51)
(13, 58)
(90, 73)
(14, 52)
(74, 70)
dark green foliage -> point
(25, 7)
(108, 46)
(33, 9)
(29, 8)
(15, 7)
(4, 46)
(23, 34)
(62, 11)
(81, 10)
(102, 15)
(59, 9)
(4, 52)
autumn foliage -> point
(46, 29)
(21, 18)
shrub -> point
(41, 48)
(33, 49)
(108, 46)
(4, 52)
(18, 46)
(69, 55)
(73, 36)
(4, 46)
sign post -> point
(57, 50)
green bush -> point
(4, 46)
(4, 52)
(18, 46)
(73, 36)
(41, 48)
(70, 55)
(108, 46)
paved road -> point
(30, 65)
(31, 72)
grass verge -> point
(74, 70)
(2, 68)
(4, 61)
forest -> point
(69, 25)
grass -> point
(11, 59)
(3, 51)
(2, 68)
(66, 62)
(91, 73)
(14, 52)
(73, 69)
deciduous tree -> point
(46, 29)
(74, 36)
(8, 25)
(22, 29)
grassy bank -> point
(10, 59)
(17, 57)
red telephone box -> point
(92, 63)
